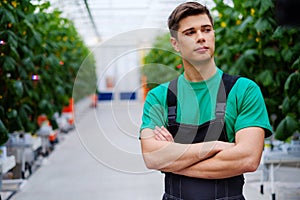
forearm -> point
(243, 157)
(186, 155)
(169, 156)
(220, 166)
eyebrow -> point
(192, 28)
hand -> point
(162, 134)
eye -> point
(207, 30)
(189, 33)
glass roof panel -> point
(97, 20)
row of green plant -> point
(249, 42)
(41, 53)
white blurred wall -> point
(119, 60)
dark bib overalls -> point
(179, 187)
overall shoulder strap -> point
(229, 81)
(172, 100)
(225, 87)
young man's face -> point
(195, 39)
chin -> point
(202, 61)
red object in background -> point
(69, 111)
(52, 137)
(41, 119)
(71, 121)
(145, 88)
(179, 66)
(94, 98)
(70, 107)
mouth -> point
(201, 49)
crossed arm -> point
(210, 160)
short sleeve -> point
(252, 110)
(155, 112)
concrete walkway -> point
(102, 159)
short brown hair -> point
(184, 10)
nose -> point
(200, 37)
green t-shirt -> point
(197, 101)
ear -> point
(174, 43)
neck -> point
(200, 72)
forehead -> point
(194, 22)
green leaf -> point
(52, 60)
(266, 78)
(27, 108)
(281, 77)
(250, 54)
(285, 105)
(1, 112)
(278, 33)
(26, 51)
(10, 34)
(3, 129)
(296, 64)
(247, 4)
(20, 14)
(23, 73)
(46, 107)
(245, 23)
(14, 52)
(8, 17)
(270, 52)
(12, 40)
(286, 128)
(24, 112)
(60, 90)
(262, 25)
(34, 96)
(265, 6)
(28, 64)
(287, 54)
(3, 133)
(18, 86)
(9, 64)
(29, 25)
(291, 86)
(45, 5)
(12, 114)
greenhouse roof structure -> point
(97, 20)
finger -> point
(164, 134)
(167, 134)
(159, 130)
(158, 138)
(158, 135)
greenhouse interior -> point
(75, 77)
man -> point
(183, 133)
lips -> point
(201, 49)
